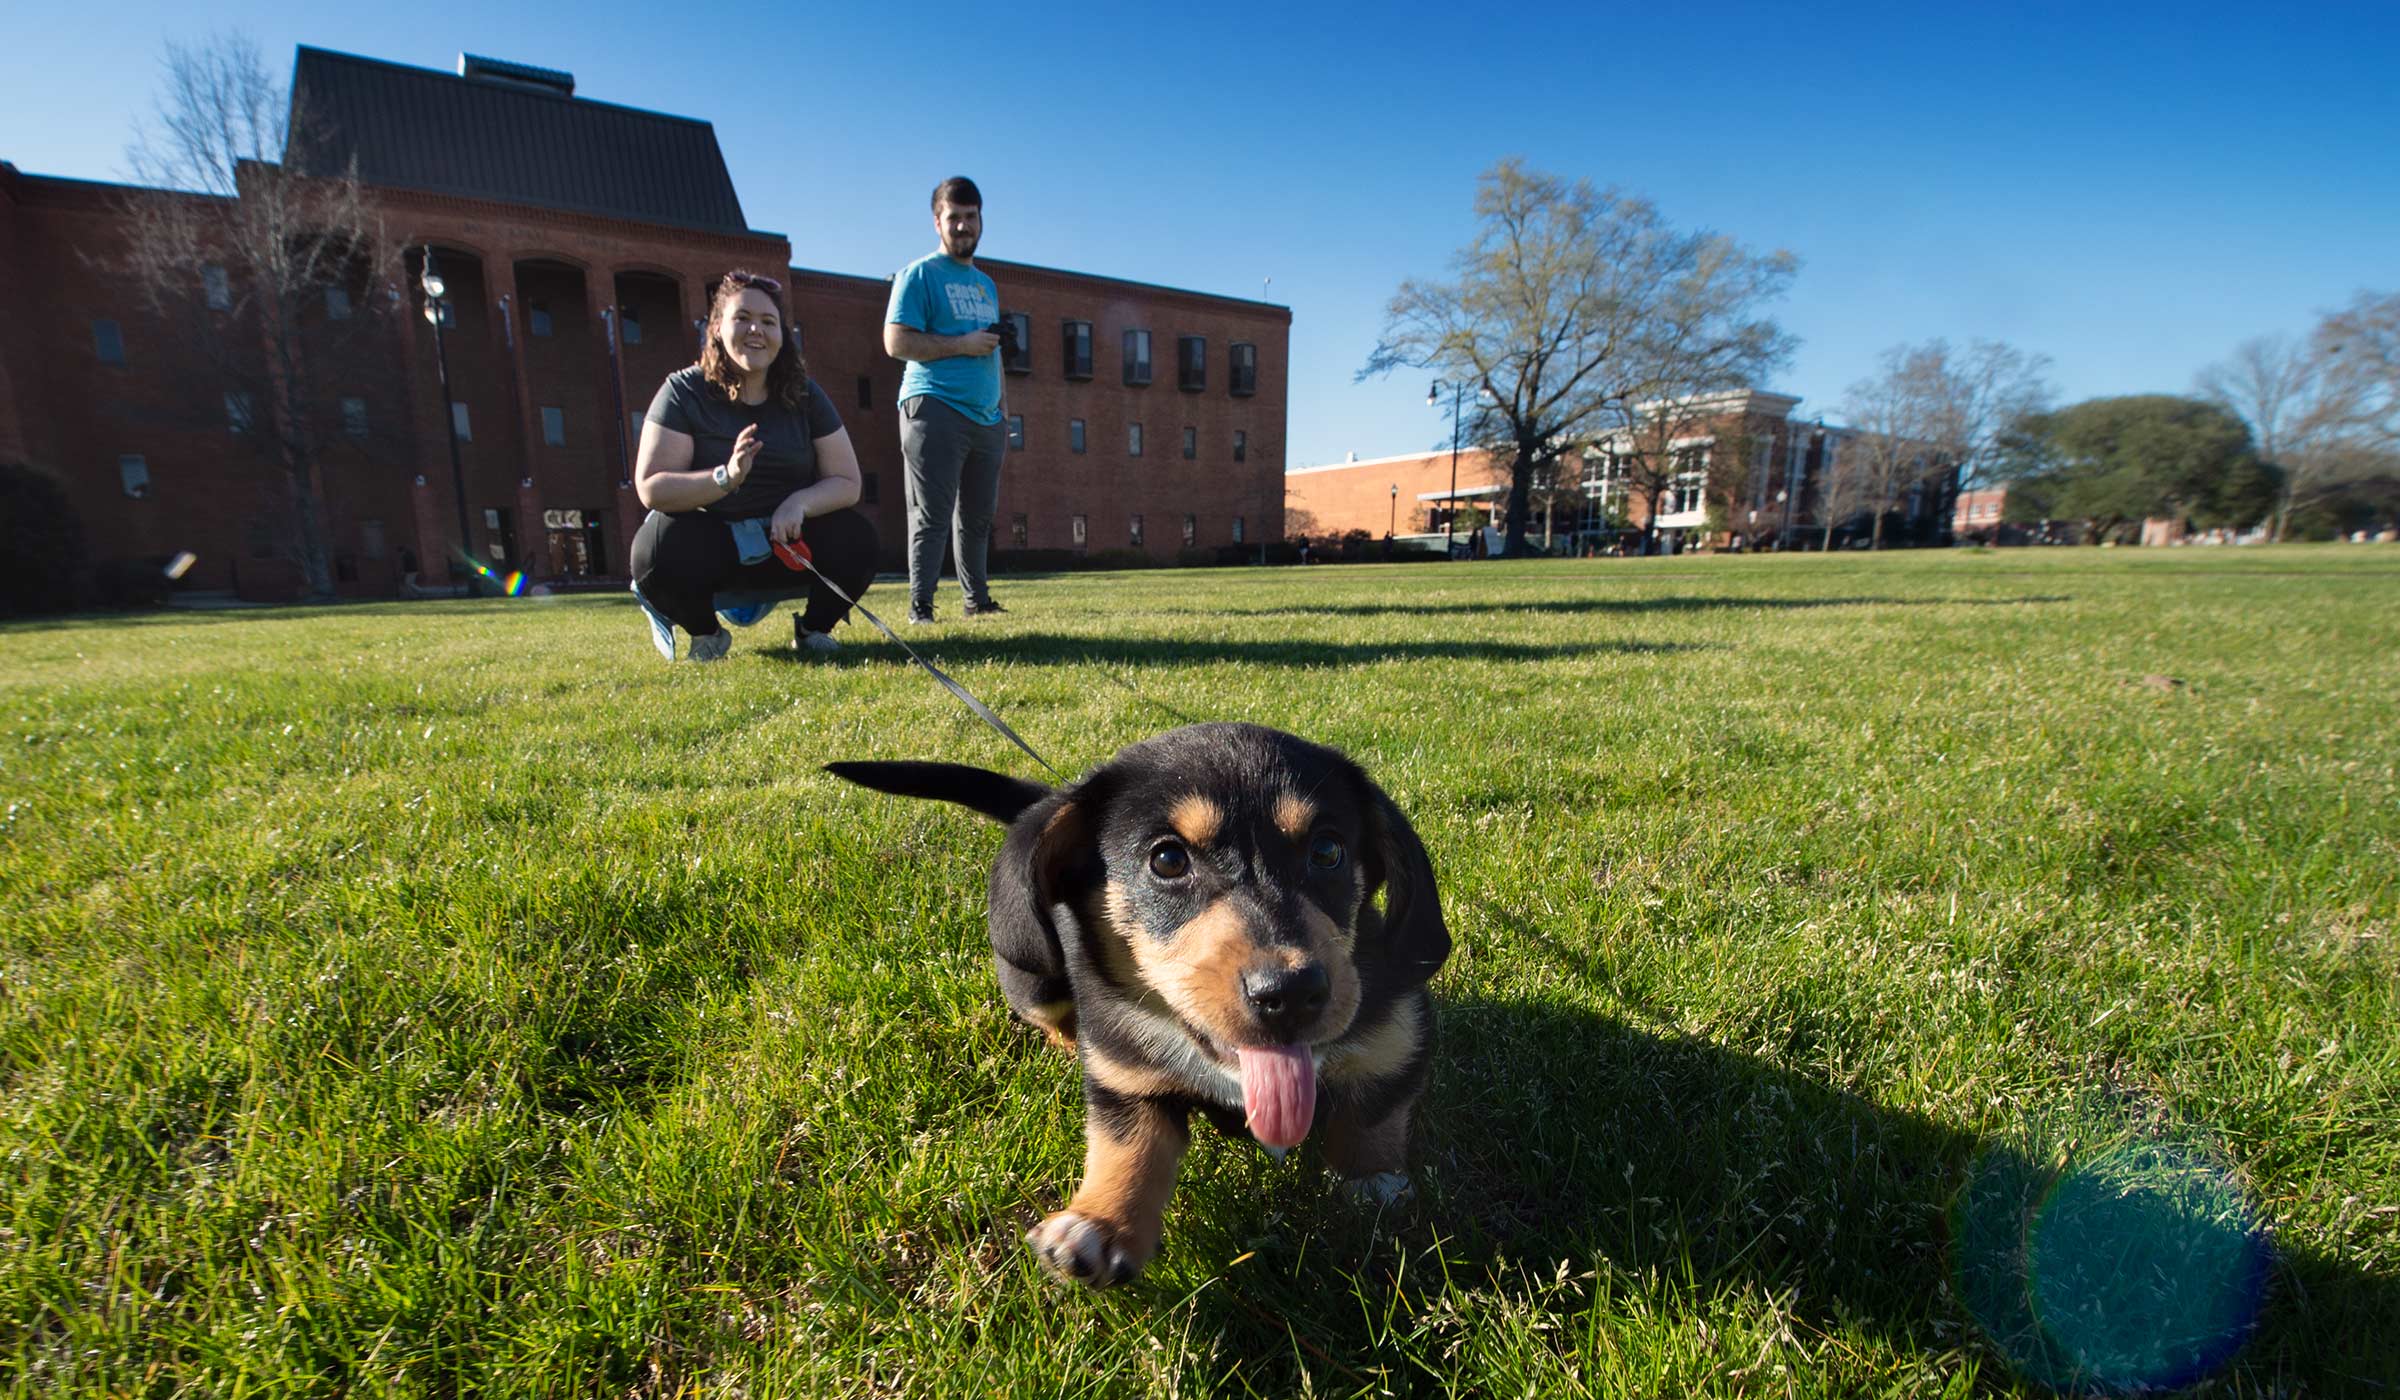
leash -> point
(796, 557)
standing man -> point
(944, 321)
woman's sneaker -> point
(662, 632)
(807, 643)
(713, 646)
(989, 607)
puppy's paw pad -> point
(1380, 1189)
(1083, 1250)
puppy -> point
(1196, 922)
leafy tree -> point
(1573, 308)
(2112, 463)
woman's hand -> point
(789, 517)
(745, 454)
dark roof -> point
(519, 143)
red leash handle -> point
(794, 554)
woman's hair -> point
(787, 377)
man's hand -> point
(789, 517)
(745, 454)
(977, 344)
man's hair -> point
(787, 376)
(959, 190)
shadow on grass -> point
(1041, 649)
(1570, 1162)
(1606, 606)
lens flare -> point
(181, 564)
(511, 585)
(2128, 1266)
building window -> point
(133, 469)
(1133, 531)
(354, 419)
(1191, 443)
(1690, 486)
(1022, 361)
(1016, 432)
(1081, 529)
(1075, 435)
(537, 316)
(554, 426)
(1242, 370)
(1191, 363)
(370, 540)
(1241, 446)
(869, 489)
(108, 342)
(337, 303)
(1137, 357)
(1078, 350)
(866, 392)
(629, 325)
(460, 427)
(238, 410)
(1237, 529)
(217, 287)
(1133, 439)
(1017, 529)
(1191, 531)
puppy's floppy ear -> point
(996, 795)
(1047, 859)
(1416, 942)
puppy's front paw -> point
(1379, 1189)
(1081, 1249)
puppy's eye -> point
(1170, 861)
(1327, 852)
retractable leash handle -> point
(796, 556)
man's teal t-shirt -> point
(942, 296)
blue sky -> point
(2131, 190)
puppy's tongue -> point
(1279, 1092)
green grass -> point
(450, 999)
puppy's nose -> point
(1286, 999)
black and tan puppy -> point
(1196, 922)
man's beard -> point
(950, 246)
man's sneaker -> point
(746, 614)
(918, 617)
(712, 646)
(806, 642)
(662, 632)
(989, 607)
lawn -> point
(1912, 974)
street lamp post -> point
(1433, 396)
(434, 304)
(1393, 527)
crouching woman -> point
(739, 452)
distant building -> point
(1738, 469)
(578, 242)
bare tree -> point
(1843, 480)
(1933, 418)
(2309, 411)
(1574, 305)
(243, 252)
(2360, 345)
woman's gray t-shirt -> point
(787, 452)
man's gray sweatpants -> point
(953, 481)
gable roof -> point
(518, 142)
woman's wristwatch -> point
(724, 482)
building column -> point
(600, 296)
(533, 542)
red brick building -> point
(1738, 467)
(576, 242)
